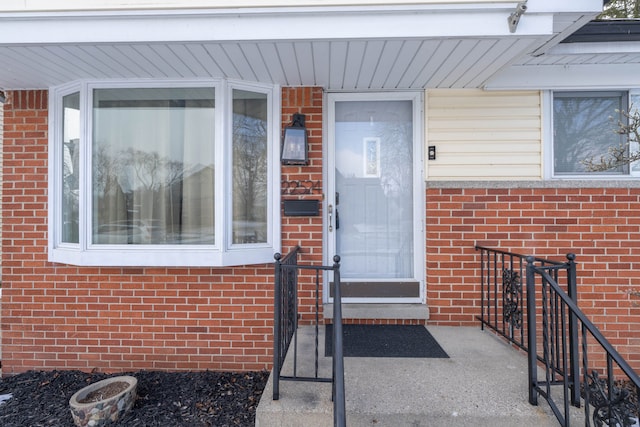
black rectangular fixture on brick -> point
(301, 208)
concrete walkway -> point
(483, 383)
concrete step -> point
(483, 383)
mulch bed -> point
(193, 399)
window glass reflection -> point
(584, 126)
(70, 167)
(250, 133)
(153, 166)
(374, 180)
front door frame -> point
(418, 184)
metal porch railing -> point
(285, 327)
(503, 297)
(532, 302)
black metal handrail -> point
(532, 302)
(285, 312)
(503, 299)
(286, 325)
(339, 405)
(607, 400)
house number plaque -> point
(301, 187)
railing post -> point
(339, 409)
(277, 319)
(531, 331)
(482, 285)
(574, 364)
(285, 327)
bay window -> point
(164, 174)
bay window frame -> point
(222, 252)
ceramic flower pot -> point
(104, 402)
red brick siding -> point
(304, 231)
(57, 316)
(600, 225)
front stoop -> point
(300, 404)
(483, 383)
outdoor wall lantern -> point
(294, 142)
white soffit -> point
(339, 48)
(601, 65)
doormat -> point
(385, 341)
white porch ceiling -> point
(335, 65)
(372, 48)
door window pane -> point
(153, 166)
(374, 182)
(584, 126)
(70, 167)
(250, 135)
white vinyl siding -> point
(484, 135)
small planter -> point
(103, 402)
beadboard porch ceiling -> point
(418, 46)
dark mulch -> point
(189, 399)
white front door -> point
(373, 208)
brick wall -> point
(600, 225)
(304, 183)
(1, 132)
(58, 316)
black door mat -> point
(385, 341)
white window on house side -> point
(164, 175)
(584, 127)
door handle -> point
(330, 211)
(337, 213)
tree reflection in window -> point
(70, 168)
(153, 166)
(250, 136)
(584, 127)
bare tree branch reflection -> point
(249, 178)
(582, 129)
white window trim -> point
(548, 146)
(223, 252)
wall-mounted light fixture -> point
(294, 142)
(3, 98)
